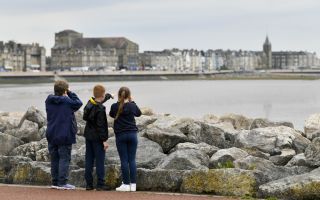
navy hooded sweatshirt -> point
(62, 125)
(125, 121)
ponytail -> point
(123, 94)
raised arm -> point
(74, 101)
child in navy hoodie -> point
(61, 132)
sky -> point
(164, 24)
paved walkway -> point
(13, 192)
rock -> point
(7, 163)
(283, 158)
(111, 132)
(76, 177)
(312, 153)
(298, 160)
(213, 135)
(167, 138)
(257, 153)
(262, 123)
(165, 181)
(8, 143)
(239, 122)
(42, 132)
(34, 115)
(143, 121)
(210, 119)
(223, 157)
(31, 150)
(270, 171)
(113, 176)
(10, 120)
(312, 125)
(146, 111)
(206, 148)
(149, 153)
(30, 173)
(188, 127)
(187, 159)
(270, 138)
(227, 182)
(305, 186)
(28, 132)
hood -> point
(55, 99)
(88, 113)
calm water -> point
(277, 100)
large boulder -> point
(159, 180)
(239, 122)
(146, 111)
(167, 138)
(312, 153)
(7, 163)
(9, 120)
(28, 132)
(262, 123)
(144, 120)
(149, 153)
(304, 186)
(270, 170)
(8, 143)
(36, 116)
(224, 157)
(284, 157)
(210, 119)
(298, 160)
(30, 173)
(312, 126)
(31, 150)
(204, 147)
(271, 138)
(227, 182)
(187, 159)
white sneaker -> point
(133, 187)
(123, 188)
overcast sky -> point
(161, 24)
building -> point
(72, 50)
(22, 57)
(267, 54)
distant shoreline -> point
(48, 77)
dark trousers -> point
(95, 152)
(60, 160)
(127, 147)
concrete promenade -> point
(14, 192)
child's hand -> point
(105, 145)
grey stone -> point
(143, 121)
(312, 153)
(8, 143)
(270, 170)
(304, 186)
(204, 147)
(159, 180)
(28, 132)
(239, 122)
(223, 156)
(262, 123)
(36, 116)
(312, 125)
(298, 160)
(270, 138)
(284, 157)
(31, 150)
(187, 159)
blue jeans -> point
(95, 152)
(127, 147)
(60, 160)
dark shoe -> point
(89, 187)
(102, 188)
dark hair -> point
(60, 87)
(123, 94)
(98, 91)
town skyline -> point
(158, 25)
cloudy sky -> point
(160, 24)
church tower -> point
(267, 51)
